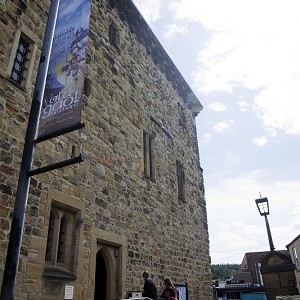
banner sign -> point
(61, 107)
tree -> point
(224, 271)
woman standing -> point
(169, 292)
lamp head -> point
(263, 206)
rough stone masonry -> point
(112, 221)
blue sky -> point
(242, 60)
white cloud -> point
(217, 106)
(280, 108)
(260, 141)
(206, 138)
(261, 55)
(173, 29)
(243, 105)
(224, 125)
(149, 9)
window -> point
(295, 256)
(61, 238)
(20, 64)
(182, 119)
(180, 181)
(149, 159)
(21, 61)
(113, 36)
(64, 217)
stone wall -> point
(127, 91)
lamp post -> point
(17, 225)
(263, 208)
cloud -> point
(279, 108)
(173, 29)
(149, 9)
(261, 56)
(206, 138)
(243, 105)
(260, 141)
(217, 106)
(224, 125)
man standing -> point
(150, 290)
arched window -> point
(60, 237)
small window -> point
(61, 237)
(182, 119)
(20, 64)
(180, 181)
(113, 35)
(295, 256)
(149, 158)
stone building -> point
(137, 201)
(294, 249)
(278, 274)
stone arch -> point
(111, 247)
(110, 265)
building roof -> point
(293, 241)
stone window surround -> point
(28, 35)
(74, 207)
(100, 236)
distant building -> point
(251, 264)
(294, 249)
(263, 275)
(245, 284)
(278, 274)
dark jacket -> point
(169, 291)
(150, 290)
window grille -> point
(20, 61)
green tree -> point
(223, 271)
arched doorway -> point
(100, 278)
(108, 260)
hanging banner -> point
(61, 107)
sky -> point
(242, 60)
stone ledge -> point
(58, 274)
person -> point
(170, 292)
(52, 88)
(150, 290)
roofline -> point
(294, 240)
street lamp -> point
(263, 208)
